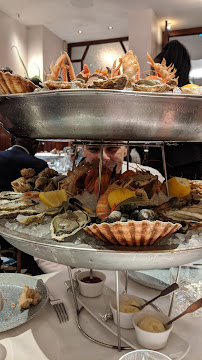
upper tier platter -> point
(103, 115)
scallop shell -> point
(13, 84)
(132, 233)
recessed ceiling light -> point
(169, 26)
(110, 27)
(80, 31)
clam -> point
(68, 224)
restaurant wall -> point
(13, 33)
(35, 51)
(144, 35)
(53, 46)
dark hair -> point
(7, 69)
(30, 144)
(175, 53)
(36, 81)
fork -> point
(59, 307)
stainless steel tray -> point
(144, 258)
(103, 115)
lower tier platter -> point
(84, 255)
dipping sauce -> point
(151, 324)
(94, 280)
(125, 306)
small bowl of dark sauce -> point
(91, 287)
(94, 280)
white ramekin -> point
(126, 319)
(91, 289)
(150, 340)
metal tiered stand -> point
(103, 117)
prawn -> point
(60, 64)
(162, 72)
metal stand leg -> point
(118, 312)
(128, 156)
(173, 294)
(164, 167)
(126, 283)
(78, 311)
(100, 170)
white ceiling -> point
(66, 17)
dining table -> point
(45, 338)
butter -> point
(151, 324)
(125, 306)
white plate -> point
(176, 348)
(11, 286)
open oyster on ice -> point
(67, 224)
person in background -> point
(175, 53)
(135, 156)
(12, 161)
(114, 156)
(183, 159)
(17, 157)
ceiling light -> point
(110, 27)
(80, 31)
(169, 26)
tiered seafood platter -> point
(101, 108)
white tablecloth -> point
(44, 337)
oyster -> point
(9, 195)
(68, 224)
(117, 82)
(26, 220)
(16, 205)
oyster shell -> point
(132, 233)
(16, 205)
(12, 84)
(9, 195)
(68, 224)
(117, 82)
(26, 220)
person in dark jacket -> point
(185, 158)
(14, 159)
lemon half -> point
(119, 195)
(53, 198)
(179, 187)
(190, 86)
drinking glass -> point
(144, 355)
(190, 289)
(1, 302)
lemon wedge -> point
(119, 195)
(179, 187)
(190, 86)
(53, 198)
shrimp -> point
(162, 72)
(60, 64)
(103, 209)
